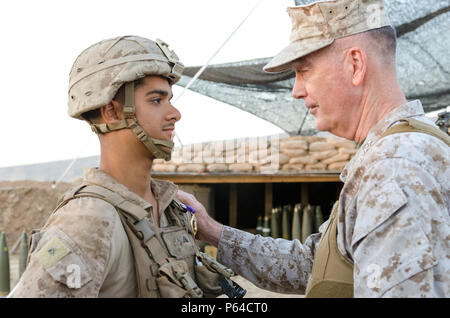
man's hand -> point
(209, 230)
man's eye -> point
(156, 101)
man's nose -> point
(174, 114)
(299, 89)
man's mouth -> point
(313, 109)
(169, 129)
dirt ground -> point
(26, 205)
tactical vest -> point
(332, 273)
(168, 263)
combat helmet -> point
(100, 70)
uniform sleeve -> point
(274, 264)
(396, 235)
(69, 256)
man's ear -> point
(112, 112)
(356, 61)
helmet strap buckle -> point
(177, 68)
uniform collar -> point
(410, 109)
(164, 191)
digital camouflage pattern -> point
(317, 25)
(394, 222)
(394, 212)
(86, 237)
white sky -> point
(41, 39)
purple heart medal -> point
(193, 221)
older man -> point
(388, 235)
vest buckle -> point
(144, 232)
(188, 283)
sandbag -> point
(241, 167)
(278, 158)
(217, 167)
(294, 144)
(290, 167)
(338, 166)
(350, 151)
(306, 160)
(267, 168)
(324, 154)
(320, 146)
(337, 158)
(317, 166)
(191, 167)
(291, 153)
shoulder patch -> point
(52, 252)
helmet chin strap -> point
(155, 146)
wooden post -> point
(268, 199)
(304, 194)
(233, 206)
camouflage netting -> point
(423, 65)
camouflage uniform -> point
(97, 242)
(394, 222)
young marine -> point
(122, 233)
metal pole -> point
(202, 69)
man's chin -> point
(321, 125)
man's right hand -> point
(209, 230)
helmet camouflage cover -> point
(100, 70)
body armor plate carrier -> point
(168, 263)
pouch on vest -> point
(208, 281)
(178, 243)
(174, 281)
(332, 273)
(214, 278)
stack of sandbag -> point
(267, 154)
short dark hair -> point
(385, 39)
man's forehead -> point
(150, 78)
(315, 57)
(301, 62)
